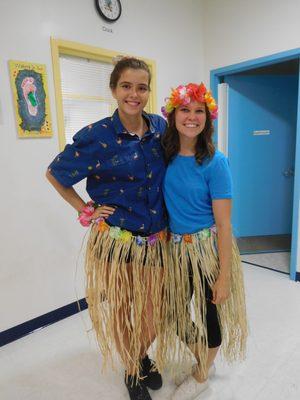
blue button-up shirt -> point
(122, 170)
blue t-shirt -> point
(189, 189)
(122, 170)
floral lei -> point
(183, 95)
(115, 232)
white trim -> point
(223, 118)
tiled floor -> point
(61, 362)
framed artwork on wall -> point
(31, 99)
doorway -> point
(262, 140)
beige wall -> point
(241, 30)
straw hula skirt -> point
(185, 299)
(124, 275)
(124, 272)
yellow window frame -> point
(59, 46)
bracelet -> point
(84, 216)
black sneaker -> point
(136, 389)
(151, 378)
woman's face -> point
(132, 92)
(190, 119)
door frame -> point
(216, 77)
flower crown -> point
(183, 95)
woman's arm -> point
(67, 193)
(222, 213)
(73, 198)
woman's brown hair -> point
(204, 146)
(126, 63)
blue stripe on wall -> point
(51, 317)
(264, 267)
(42, 321)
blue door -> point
(262, 118)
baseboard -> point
(51, 317)
(17, 332)
(264, 267)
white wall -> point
(242, 30)
(40, 238)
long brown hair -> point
(204, 146)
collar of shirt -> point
(121, 130)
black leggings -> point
(212, 322)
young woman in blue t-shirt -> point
(204, 274)
(121, 158)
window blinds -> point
(85, 92)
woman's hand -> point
(102, 212)
(221, 290)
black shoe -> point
(137, 389)
(151, 378)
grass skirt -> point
(119, 294)
(197, 254)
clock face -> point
(110, 10)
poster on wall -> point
(31, 99)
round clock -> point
(110, 10)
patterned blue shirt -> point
(122, 170)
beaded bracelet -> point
(85, 215)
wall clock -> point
(110, 10)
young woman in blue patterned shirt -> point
(121, 159)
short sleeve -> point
(76, 161)
(162, 125)
(220, 180)
(159, 123)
